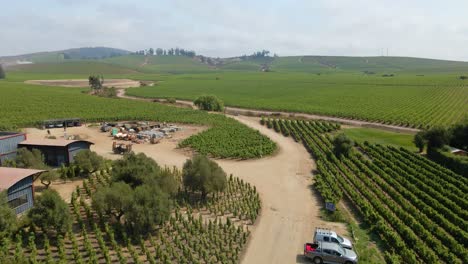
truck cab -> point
(327, 235)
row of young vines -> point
(212, 232)
(418, 208)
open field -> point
(24, 105)
(377, 136)
(414, 101)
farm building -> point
(458, 152)
(19, 186)
(57, 151)
(9, 144)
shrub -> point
(209, 103)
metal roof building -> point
(9, 144)
(19, 186)
(57, 151)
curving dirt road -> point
(290, 208)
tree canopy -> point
(150, 206)
(2, 72)
(96, 82)
(459, 136)
(204, 175)
(419, 140)
(50, 212)
(437, 137)
(135, 169)
(209, 103)
(113, 200)
(88, 161)
(8, 222)
(342, 145)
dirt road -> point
(256, 112)
(290, 209)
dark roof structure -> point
(51, 142)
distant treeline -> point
(166, 52)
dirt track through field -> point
(256, 112)
(290, 209)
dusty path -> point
(290, 209)
(256, 112)
(117, 83)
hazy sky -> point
(418, 28)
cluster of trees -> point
(2, 72)
(258, 54)
(50, 213)
(438, 137)
(141, 193)
(167, 52)
(209, 103)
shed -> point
(458, 152)
(19, 186)
(9, 144)
(57, 151)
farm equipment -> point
(121, 148)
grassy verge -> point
(364, 240)
(377, 136)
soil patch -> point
(117, 83)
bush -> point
(171, 100)
(51, 213)
(209, 103)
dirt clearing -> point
(290, 208)
(117, 83)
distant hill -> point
(199, 64)
(63, 55)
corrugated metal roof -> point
(10, 176)
(51, 142)
(4, 134)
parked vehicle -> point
(327, 235)
(332, 253)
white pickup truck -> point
(327, 235)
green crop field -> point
(377, 136)
(26, 105)
(406, 100)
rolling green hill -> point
(64, 55)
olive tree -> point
(88, 161)
(342, 145)
(8, 222)
(150, 206)
(113, 200)
(419, 140)
(204, 175)
(50, 212)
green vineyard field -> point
(418, 208)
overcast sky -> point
(417, 28)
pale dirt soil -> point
(290, 209)
(117, 83)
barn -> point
(19, 186)
(57, 151)
(9, 144)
